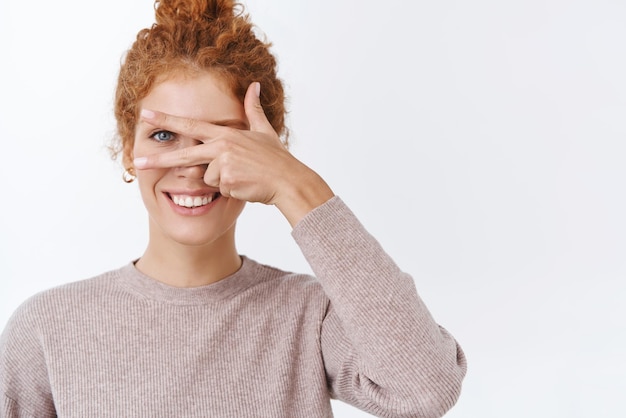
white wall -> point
(482, 142)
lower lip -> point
(196, 211)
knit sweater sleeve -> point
(24, 386)
(382, 350)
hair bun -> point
(169, 11)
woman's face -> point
(182, 208)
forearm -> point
(398, 356)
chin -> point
(198, 240)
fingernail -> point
(140, 162)
(257, 89)
(147, 114)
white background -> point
(482, 142)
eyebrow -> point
(235, 123)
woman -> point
(193, 329)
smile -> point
(187, 201)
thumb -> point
(254, 111)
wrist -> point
(302, 196)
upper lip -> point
(196, 192)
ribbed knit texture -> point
(260, 343)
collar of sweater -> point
(148, 288)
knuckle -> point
(227, 158)
(227, 163)
(220, 143)
(224, 145)
(163, 120)
(184, 154)
(190, 125)
(226, 181)
(230, 131)
(228, 173)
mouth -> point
(188, 201)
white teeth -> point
(192, 201)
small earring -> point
(129, 175)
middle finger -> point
(192, 128)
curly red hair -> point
(191, 36)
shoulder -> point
(82, 289)
(59, 300)
(287, 284)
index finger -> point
(183, 157)
(193, 128)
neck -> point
(182, 265)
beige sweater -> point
(260, 343)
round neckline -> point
(149, 288)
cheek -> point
(141, 149)
(143, 146)
(147, 180)
(235, 207)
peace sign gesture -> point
(244, 162)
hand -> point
(251, 165)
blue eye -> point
(162, 136)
